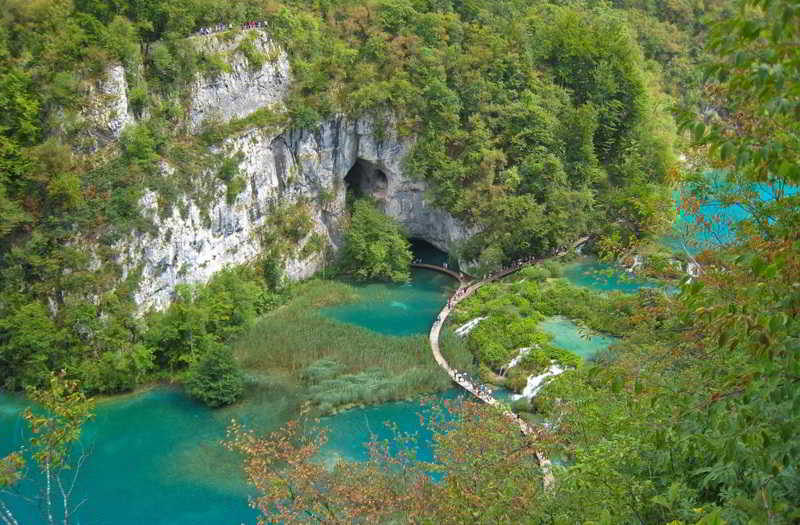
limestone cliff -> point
(314, 166)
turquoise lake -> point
(687, 236)
(591, 273)
(397, 309)
(569, 336)
(155, 456)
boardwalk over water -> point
(460, 276)
(462, 293)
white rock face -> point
(107, 111)
(279, 168)
(244, 89)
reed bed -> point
(336, 363)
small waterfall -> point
(519, 357)
(535, 383)
(693, 270)
(467, 327)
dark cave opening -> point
(427, 253)
(365, 180)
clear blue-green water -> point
(404, 419)
(714, 222)
(569, 336)
(602, 277)
(397, 309)
(156, 456)
(156, 459)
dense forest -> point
(535, 123)
(515, 134)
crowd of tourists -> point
(218, 28)
(465, 379)
(461, 292)
(515, 265)
(483, 392)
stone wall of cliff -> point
(279, 167)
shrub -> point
(522, 405)
(115, 371)
(535, 273)
(214, 377)
(376, 247)
(255, 58)
(555, 268)
(517, 379)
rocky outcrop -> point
(106, 111)
(246, 87)
(313, 166)
(307, 165)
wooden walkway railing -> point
(461, 277)
(462, 293)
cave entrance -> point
(365, 180)
(427, 253)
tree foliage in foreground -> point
(55, 450)
(753, 83)
(481, 457)
(375, 246)
(693, 418)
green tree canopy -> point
(213, 377)
(375, 246)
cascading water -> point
(467, 327)
(638, 260)
(519, 357)
(535, 383)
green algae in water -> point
(397, 309)
(568, 335)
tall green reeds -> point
(337, 364)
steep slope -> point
(280, 169)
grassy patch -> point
(337, 364)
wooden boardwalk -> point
(462, 293)
(460, 277)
